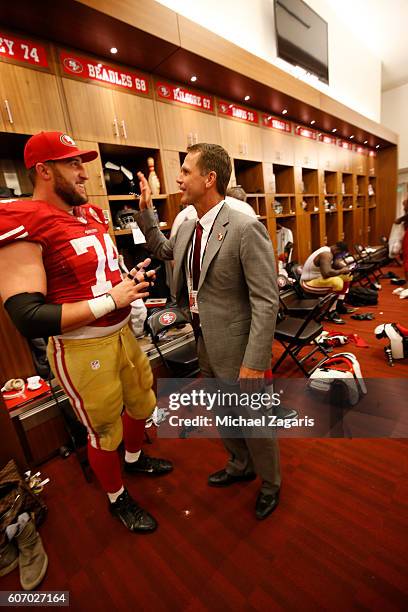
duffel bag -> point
(362, 296)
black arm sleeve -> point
(32, 316)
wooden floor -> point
(338, 540)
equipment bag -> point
(340, 379)
(362, 296)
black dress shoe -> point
(132, 515)
(149, 465)
(223, 479)
(265, 504)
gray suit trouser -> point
(259, 455)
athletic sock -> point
(132, 457)
(114, 496)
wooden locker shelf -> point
(310, 181)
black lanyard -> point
(190, 263)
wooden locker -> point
(241, 141)
(30, 101)
(181, 127)
(91, 112)
(277, 147)
(136, 120)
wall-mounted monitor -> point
(301, 36)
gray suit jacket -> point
(237, 292)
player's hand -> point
(133, 285)
(140, 273)
(145, 200)
(250, 380)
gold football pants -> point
(100, 376)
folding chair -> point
(377, 259)
(292, 297)
(294, 271)
(288, 252)
(379, 253)
(363, 269)
(294, 333)
(181, 362)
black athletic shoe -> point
(333, 317)
(343, 309)
(132, 515)
(398, 281)
(149, 465)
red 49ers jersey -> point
(80, 258)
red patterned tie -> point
(197, 255)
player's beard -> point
(67, 191)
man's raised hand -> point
(145, 200)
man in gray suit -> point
(225, 274)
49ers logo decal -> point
(167, 318)
(73, 65)
(67, 140)
(164, 91)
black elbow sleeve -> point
(32, 316)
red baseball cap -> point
(53, 146)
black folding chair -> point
(364, 272)
(292, 297)
(377, 258)
(295, 333)
(288, 251)
(182, 361)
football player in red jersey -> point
(60, 278)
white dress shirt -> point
(206, 221)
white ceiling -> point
(382, 25)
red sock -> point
(106, 467)
(344, 290)
(133, 432)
